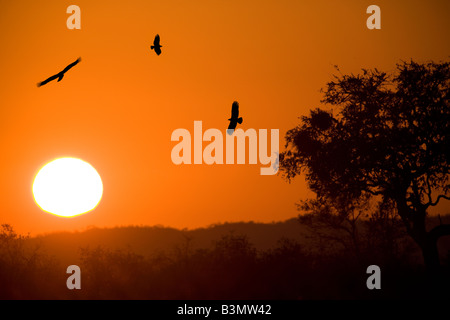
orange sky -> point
(118, 107)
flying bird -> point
(156, 46)
(235, 119)
(59, 75)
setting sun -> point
(67, 187)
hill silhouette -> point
(148, 240)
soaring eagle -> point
(59, 75)
(235, 119)
(156, 46)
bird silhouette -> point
(156, 46)
(59, 75)
(235, 119)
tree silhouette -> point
(389, 141)
(26, 272)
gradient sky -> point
(118, 107)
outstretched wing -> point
(48, 80)
(235, 110)
(156, 41)
(71, 65)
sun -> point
(67, 187)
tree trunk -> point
(431, 259)
(427, 241)
(430, 249)
(430, 255)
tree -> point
(389, 141)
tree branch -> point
(438, 198)
(428, 193)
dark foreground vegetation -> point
(231, 266)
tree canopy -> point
(386, 137)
